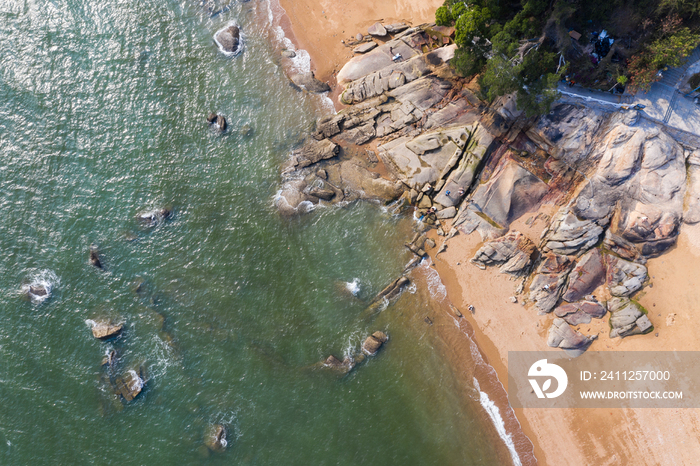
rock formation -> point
(229, 39)
(373, 342)
(105, 329)
(216, 437)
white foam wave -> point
(495, 415)
(353, 286)
(435, 285)
(138, 384)
(45, 279)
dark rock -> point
(308, 82)
(212, 117)
(216, 438)
(95, 258)
(221, 122)
(341, 367)
(104, 330)
(38, 291)
(373, 342)
(588, 274)
(229, 39)
(129, 385)
(110, 359)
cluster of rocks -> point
(217, 121)
(370, 347)
(414, 131)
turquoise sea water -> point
(102, 115)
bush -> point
(443, 17)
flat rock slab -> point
(623, 277)
(580, 312)
(562, 335)
(377, 30)
(364, 48)
(373, 342)
(627, 318)
(105, 330)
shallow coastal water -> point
(102, 115)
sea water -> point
(226, 306)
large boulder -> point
(580, 312)
(308, 82)
(623, 277)
(588, 274)
(511, 192)
(229, 39)
(129, 385)
(313, 151)
(569, 234)
(377, 30)
(105, 329)
(373, 342)
(548, 282)
(562, 335)
(514, 252)
(627, 318)
(216, 437)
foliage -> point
(669, 51)
(622, 79)
(686, 8)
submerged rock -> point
(129, 385)
(216, 437)
(151, 218)
(373, 342)
(341, 367)
(94, 257)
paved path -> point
(664, 103)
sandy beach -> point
(560, 436)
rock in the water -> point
(588, 274)
(373, 342)
(377, 30)
(129, 385)
(151, 218)
(325, 194)
(216, 437)
(514, 251)
(580, 312)
(37, 291)
(229, 39)
(308, 82)
(289, 53)
(627, 318)
(314, 151)
(95, 257)
(561, 335)
(218, 121)
(212, 117)
(364, 48)
(624, 278)
(105, 329)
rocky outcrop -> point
(308, 82)
(587, 275)
(569, 234)
(364, 48)
(218, 121)
(94, 257)
(340, 367)
(373, 342)
(627, 318)
(216, 437)
(130, 384)
(548, 282)
(514, 252)
(151, 218)
(623, 277)
(561, 335)
(580, 312)
(229, 39)
(105, 329)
